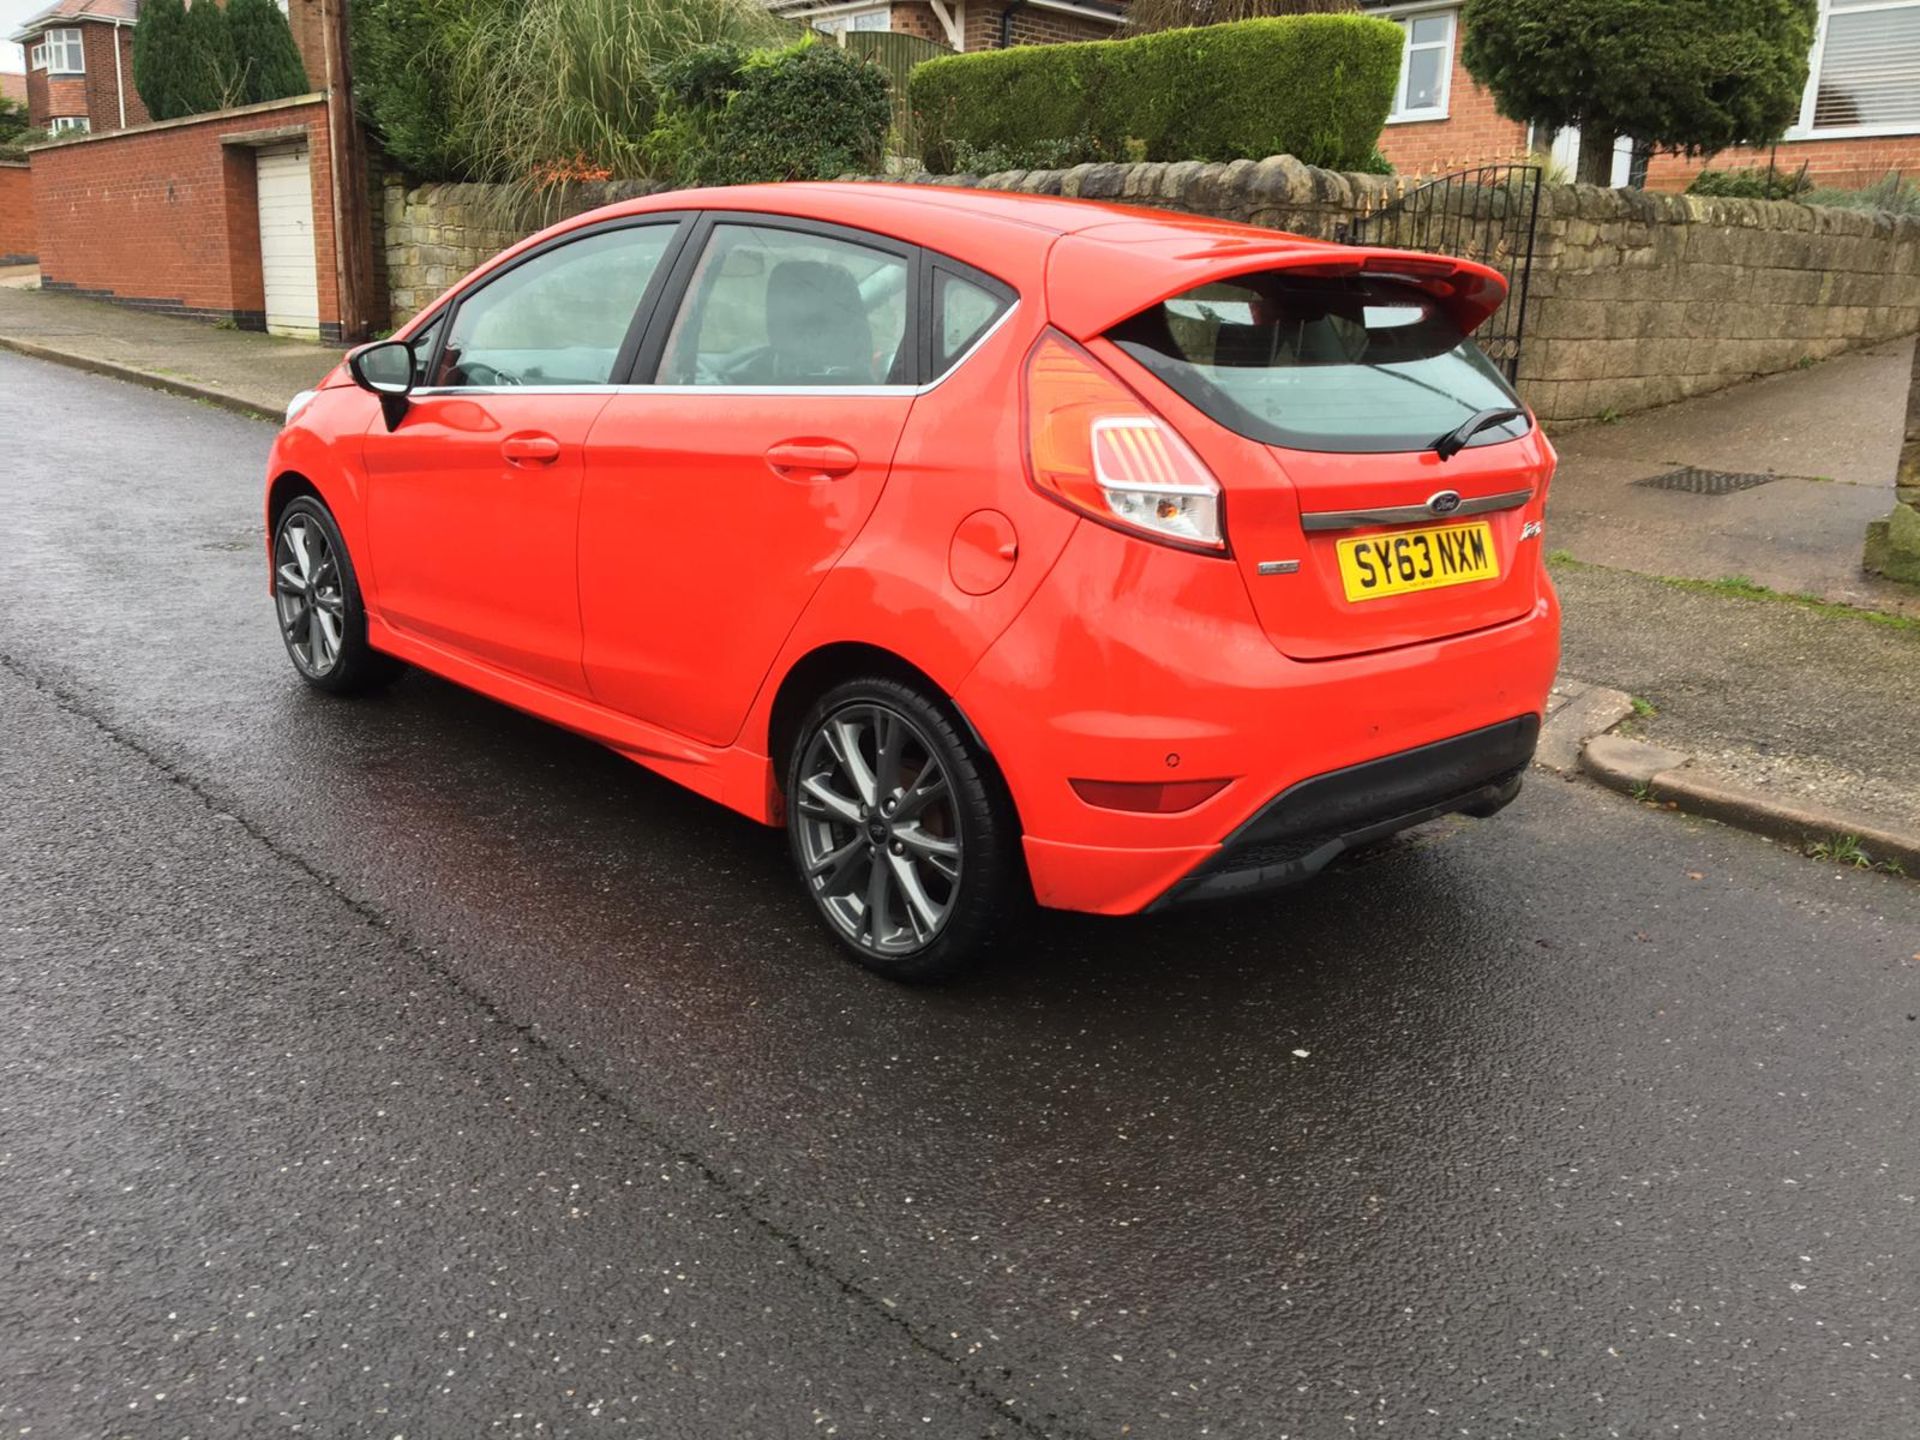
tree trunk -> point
(1596, 157)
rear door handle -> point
(530, 449)
(811, 459)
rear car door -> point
(473, 500)
(718, 497)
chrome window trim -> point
(805, 390)
(1320, 520)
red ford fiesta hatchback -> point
(989, 543)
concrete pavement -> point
(410, 1067)
(240, 370)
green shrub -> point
(404, 57)
(160, 58)
(270, 64)
(1317, 87)
(545, 89)
(1754, 183)
(809, 111)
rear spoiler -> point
(1098, 283)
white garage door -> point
(286, 242)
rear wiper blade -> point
(1454, 441)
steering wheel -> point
(478, 372)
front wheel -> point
(899, 829)
(316, 599)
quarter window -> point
(1426, 67)
(65, 55)
(557, 319)
(1866, 77)
(789, 308)
(422, 345)
(963, 312)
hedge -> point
(1317, 87)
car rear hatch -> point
(1315, 382)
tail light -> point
(1094, 445)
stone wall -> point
(1638, 299)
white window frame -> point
(1448, 48)
(70, 125)
(841, 19)
(1803, 128)
(37, 57)
(64, 40)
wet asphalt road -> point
(406, 1067)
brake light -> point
(1094, 445)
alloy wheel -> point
(308, 594)
(878, 835)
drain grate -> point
(1692, 480)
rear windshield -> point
(1340, 363)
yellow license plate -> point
(1409, 560)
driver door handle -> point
(811, 459)
(530, 449)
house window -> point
(1426, 67)
(1866, 70)
(69, 125)
(37, 58)
(65, 55)
(880, 19)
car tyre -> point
(901, 829)
(316, 599)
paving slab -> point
(242, 369)
(1814, 706)
(1828, 435)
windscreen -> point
(1350, 364)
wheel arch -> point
(825, 666)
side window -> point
(421, 343)
(782, 307)
(557, 319)
(963, 311)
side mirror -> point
(385, 368)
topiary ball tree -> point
(1694, 76)
(270, 64)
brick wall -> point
(1474, 133)
(916, 17)
(308, 21)
(1844, 164)
(165, 217)
(1031, 26)
(16, 214)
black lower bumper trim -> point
(1306, 827)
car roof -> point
(951, 218)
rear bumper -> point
(1306, 827)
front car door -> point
(473, 500)
(718, 497)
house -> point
(80, 67)
(1859, 118)
(965, 25)
(80, 62)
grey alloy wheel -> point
(879, 840)
(310, 595)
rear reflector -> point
(1157, 797)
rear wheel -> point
(317, 601)
(898, 829)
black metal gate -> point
(1488, 215)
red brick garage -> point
(176, 217)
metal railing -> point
(1489, 215)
